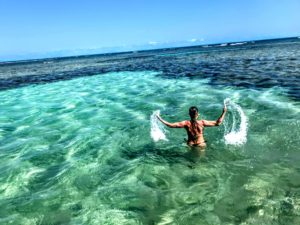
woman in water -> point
(194, 127)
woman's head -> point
(193, 111)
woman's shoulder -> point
(200, 122)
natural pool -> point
(80, 152)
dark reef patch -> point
(263, 64)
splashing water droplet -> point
(236, 132)
(157, 132)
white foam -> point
(238, 43)
(223, 45)
(236, 133)
(158, 131)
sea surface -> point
(75, 143)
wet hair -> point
(193, 112)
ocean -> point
(76, 145)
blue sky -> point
(44, 28)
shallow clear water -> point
(80, 152)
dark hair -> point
(193, 112)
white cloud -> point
(152, 42)
(193, 40)
(196, 40)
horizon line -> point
(136, 51)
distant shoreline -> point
(142, 51)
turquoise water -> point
(80, 152)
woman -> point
(194, 127)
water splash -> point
(236, 132)
(158, 131)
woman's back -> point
(195, 132)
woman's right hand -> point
(225, 108)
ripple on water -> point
(86, 157)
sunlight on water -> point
(79, 152)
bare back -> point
(194, 131)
